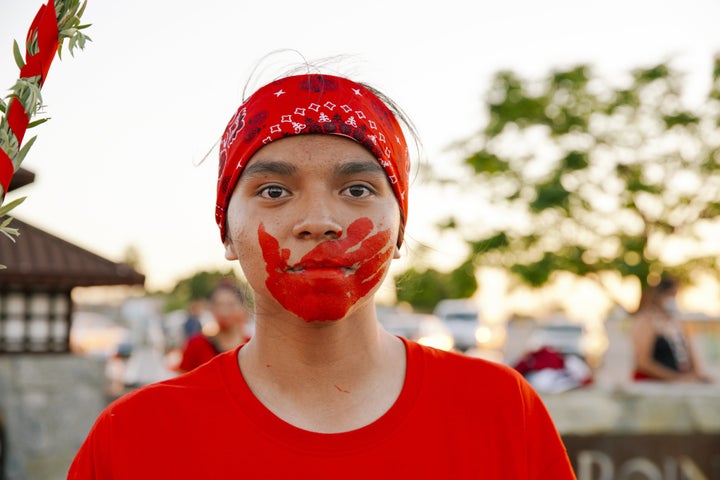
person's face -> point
(314, 224)
(227, 309)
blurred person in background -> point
(312, 202)
(662, 351)
(192, 323)
(228, 305)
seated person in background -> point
(662, 351)
(228, 305)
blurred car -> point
(462, 317)
(568, 338)
(424, 328)
(95, 334)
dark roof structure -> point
(38, 258)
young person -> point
(662, 350)
(229, 309)
(192, 324)
(312, 201)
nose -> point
(318, 223)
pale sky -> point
(133, 113)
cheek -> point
(246, 251)
(241, 227)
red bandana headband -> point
(305, 104)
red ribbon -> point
(45, 23)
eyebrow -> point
(270, 166)
(279, 167)
(361, 166)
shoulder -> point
(453, 361)
(159, 415)
(176, 394)
(643, 323)
(463, 373)
(471, 387)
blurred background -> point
(574, 146)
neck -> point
(324, 376)
(287, 341)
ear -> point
(230, 253)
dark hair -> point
(666, 285)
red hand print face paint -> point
(330, 278)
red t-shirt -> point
(198, 350)
(456, 417)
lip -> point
(321, 267)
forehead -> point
(322, 151)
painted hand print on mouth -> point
(330, 278)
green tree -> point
(424, 289)
(196, 286)
(592, 177)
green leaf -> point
(575, 160)
(82, 9)
(711, 210)
(497, 241)
(18, 55)
(550, 195)
(682, 119)
(534, 274)
(570, 79)
(37, 122)
(486, 162)
(10, 232)
(6, 222)
(648, 75)
(448, 224)
(32, 45)
(23, 152)
(4, 209)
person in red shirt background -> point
(312, 201)
(228, 305)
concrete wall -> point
(48, 404)
(644, 431)
(644, 408)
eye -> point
(273, 191)
(358, 191)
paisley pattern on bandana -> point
(311, 104)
